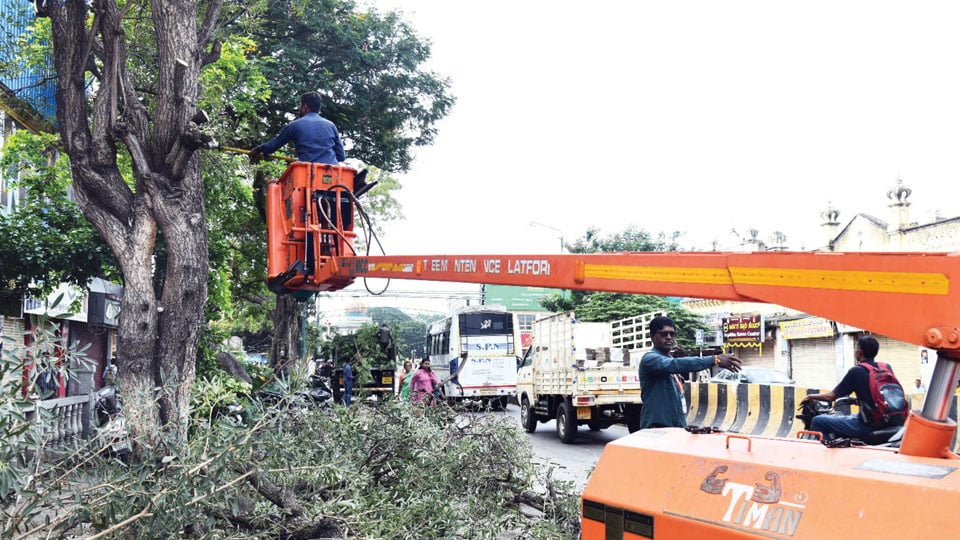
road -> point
(572, 462)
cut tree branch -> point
(273, 493)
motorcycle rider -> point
(855, 381)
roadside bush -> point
(26, 472)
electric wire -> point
(369, 236)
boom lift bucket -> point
(309, 224)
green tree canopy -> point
(633, 238)
(47, 240)
(605, 306)
(366, 65)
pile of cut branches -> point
(389, 471)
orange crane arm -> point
(907, 296)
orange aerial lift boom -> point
(671, 483)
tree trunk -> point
(164, 297)
(287, 332)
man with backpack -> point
(879, 396)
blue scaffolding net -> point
(27, 91)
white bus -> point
(489, 336)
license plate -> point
(583, 413)
(387, 380)
(488, 392)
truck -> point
(378, 384)
(571, 372)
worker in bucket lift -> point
(315, 139)
(660, 387)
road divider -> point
(761, 409)
(750, 409)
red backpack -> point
(891, 403)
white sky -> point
(692, 116)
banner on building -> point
(810, 327)
(743, 331)
(514, 298)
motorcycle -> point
(885, 436)
(232, 411)
(318, 394)
(111, 424)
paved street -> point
(572, 461)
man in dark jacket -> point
(660, 386)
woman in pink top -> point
(423, 383)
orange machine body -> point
(309, 224)
(668, 483)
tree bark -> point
(287, 322)
(163, 301)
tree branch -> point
(275, 494)
(213, 54)
(209, 24)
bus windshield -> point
(486, 324)
(486, 332)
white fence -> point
(633, 332)
(70, 423)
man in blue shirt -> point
(316, 139)
(348, 381)
(660, 386)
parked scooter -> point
(318, 394)
(111, 424)
(232, 412)
(887, 436)
(320, 389)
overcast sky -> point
(699, 117)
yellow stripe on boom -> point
(667, 274)
(844, 280)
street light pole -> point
(563, 292)
(545, 226)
